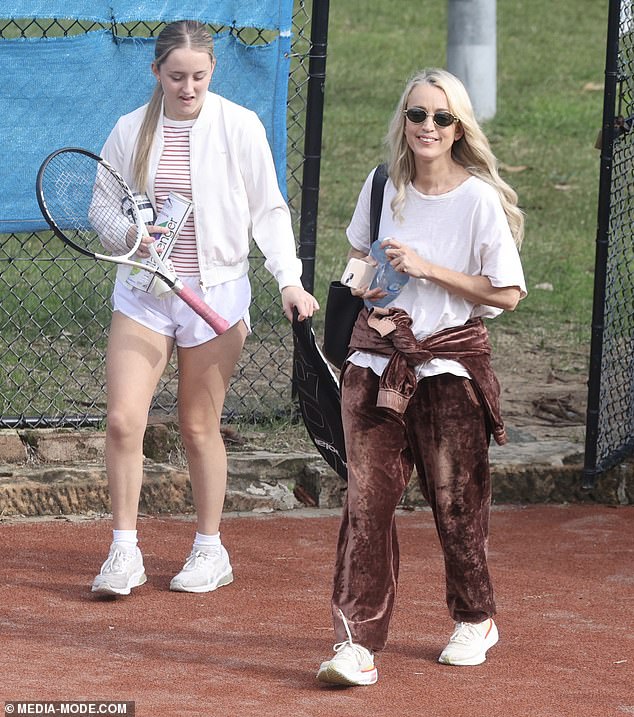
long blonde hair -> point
(472, 150)
(184, 33)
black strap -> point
(376, 200)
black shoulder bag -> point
(342, 308)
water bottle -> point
(386, 277)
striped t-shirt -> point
(173, 175)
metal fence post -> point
(312, 143)
(602, 241)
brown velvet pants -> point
(444, 435)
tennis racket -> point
(89, 206)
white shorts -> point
(171, 316)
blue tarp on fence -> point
(263, 14)
(70, 91)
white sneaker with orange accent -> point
(352, 664)
(469, 643)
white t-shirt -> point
(465, 230)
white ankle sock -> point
(204, 542)
(125, 539)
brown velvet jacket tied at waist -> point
(387, 332)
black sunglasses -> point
(418, 115)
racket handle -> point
(217, 323)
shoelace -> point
(117, 562)
(359, 652)
(465, 632)
(196, 555)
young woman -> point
(418, 389)
(195, 143)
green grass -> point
(547, 121)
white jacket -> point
(234, 189)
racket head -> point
(88, 204)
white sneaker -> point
(204, 571)
(121, 572)
(352, 664)
(469, 643)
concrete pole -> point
(472, 51)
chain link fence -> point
(55, 307)
(610, 425)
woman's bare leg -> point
(135, 361)
(204, 375)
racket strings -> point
(90, 205)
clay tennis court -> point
(565, 588)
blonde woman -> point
(198, 144)
(418, 389)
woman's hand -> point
(144, 247)
(404, 259)
(295, 297)
(365, 293)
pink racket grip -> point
(217, 323)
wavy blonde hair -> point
(184, 33)
(472, 150)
